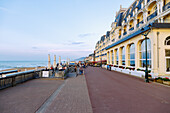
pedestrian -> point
(81, 70)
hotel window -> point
(112, 57)
(117, 57)
(143, 54)
(123, 55)
(167, 41)
(167, 56)
(131, 55)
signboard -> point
(45, 74)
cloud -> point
(86, 35)
(34, 47)
(4, 9)
(77, 43)
(70, 50)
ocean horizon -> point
(20, 64)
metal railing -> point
(152, 16)
(6, 72)
(124, 33)
(19, 77)
(131, 29)
(137, 25)
(166, 21)
(167, 6)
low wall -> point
(15, 78)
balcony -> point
(141, 22)
(131, 29)
(124, 33)
(167, 6)
(152, 16)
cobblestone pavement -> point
(73, 98)
(27, 97)
(114, 92)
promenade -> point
(99, 91)
(114, 92)
(47, 96)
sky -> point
(32, 29)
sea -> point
(18, 64)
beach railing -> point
(7, 72)
(15, 78)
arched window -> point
(123, 55)
(167, 41)
(131, 55)
(112, 57)
(143, 54)
(117, 57)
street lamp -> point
(146, 70)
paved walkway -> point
(73, 98)
(27, 97)
(114, 92)
(47, 96)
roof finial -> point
(120, 6)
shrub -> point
(166, 79)
(139, 69)
(159, 78)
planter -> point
(159, 81)
(166, 82)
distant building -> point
(124, 44)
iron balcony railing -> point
(152, 16)
(132, 28)
(124, 33)
(166, 21)
(167, 6)
(137, 25)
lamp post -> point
(146, 70)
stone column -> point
(137, 57)
(135, 22)
(107, 57)
(145, 2)
(161, 6)
(126, 55)
(59, 60)
(54, 64)
(154, 54)
(111, 53)
(114, 57)
(49, 63)
(158, 8)
(145, 13)
(120, 57)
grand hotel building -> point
(124, 44)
